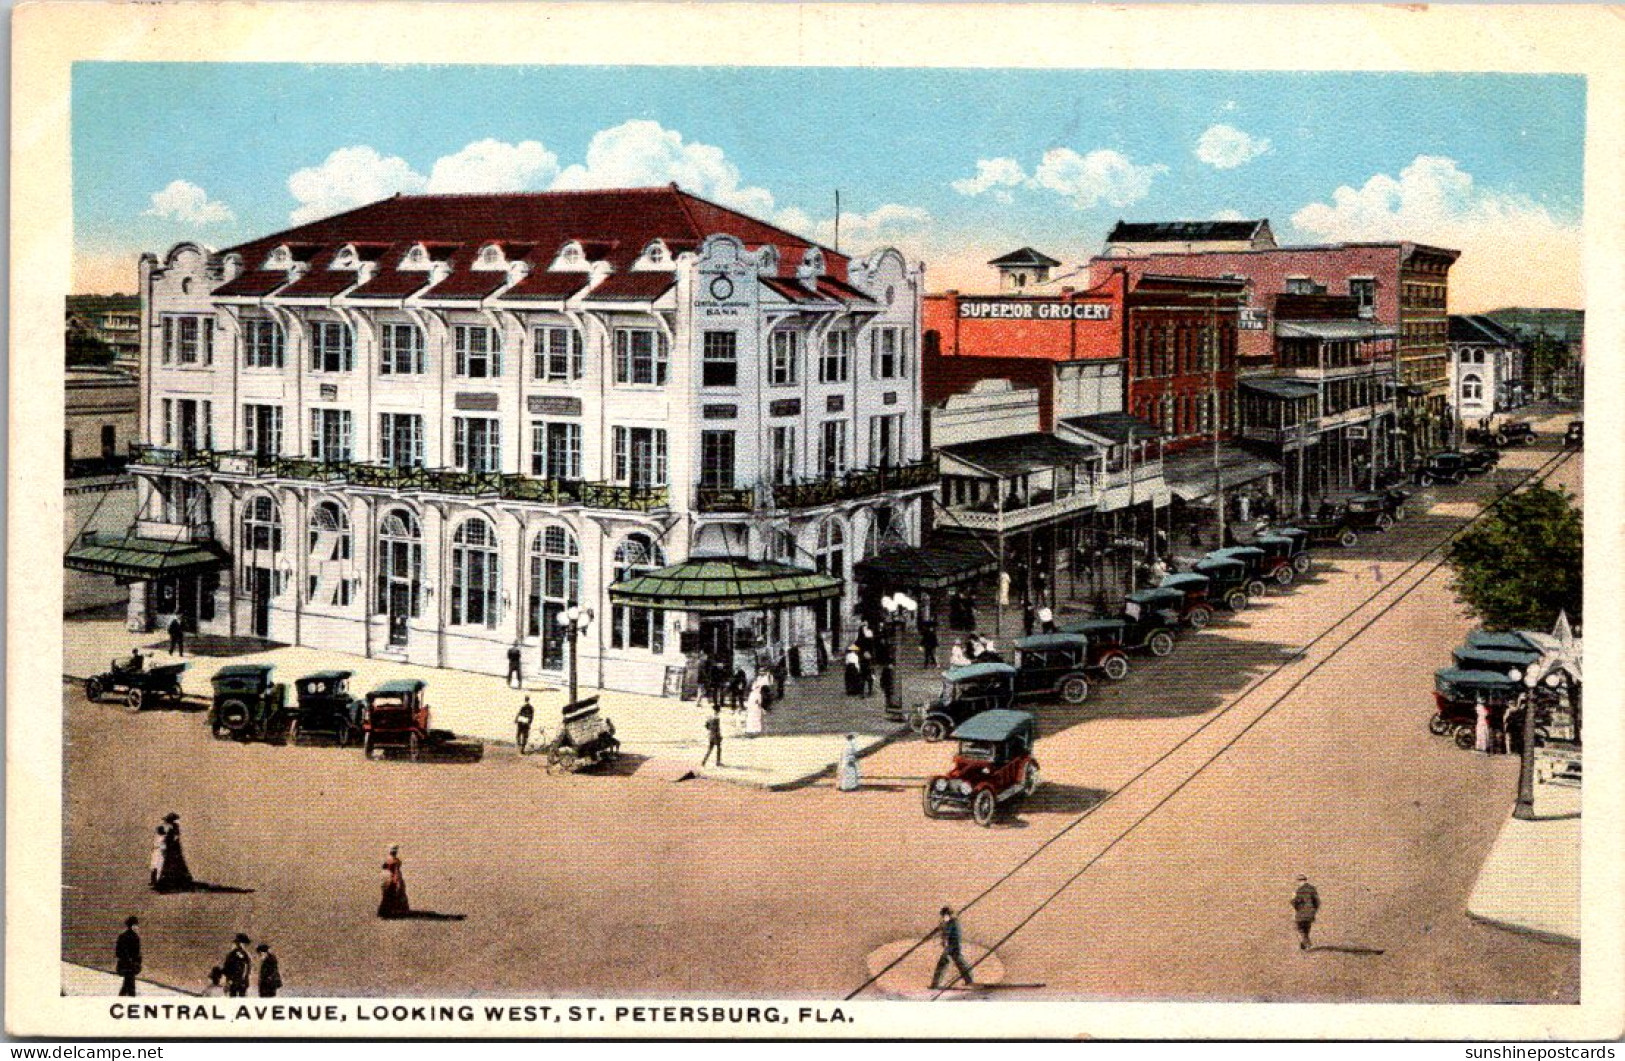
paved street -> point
(1176, 887)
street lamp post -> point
(897, 607)
(575, 620)
(1525, 807)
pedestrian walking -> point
(216, 987)
(948, 929)
(846, 776)
(866, 671)
(853, 672)
(127, 956)
(756, 705)
(888, 682)
(1028, 617)
(1305, 905)
(521, 725)
(713, 736)
(513, 666)
(237, 968)
(169, 870)
(393, 902)
(270, 971)
(1046, 618)
(177, 637)
(737, 687)
(928, 643)
(1481, 729)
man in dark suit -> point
(951, 955)
(713, 735)
(237, 967)
(177, 637)
(270, 971)
(127, 955)
(1305, 905)
(521, 725)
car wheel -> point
(1437, 725)
(1236, 600)
(1385, 522)
(94, 690)
(414, 747)
(133, 701)
(1283, 575)
(1302, 563)
(983, 806)
(1425, 479)
(1115, 666)
(1255, 587)
(1075, 690)
(233, 716)
(1029, 779)
(1162, 643)
(1199, 617)
(933, 730)
(1501, 439)
(928, 804)
(1465, 737)
(1348, 539)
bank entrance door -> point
(717, 641)
(259, 592)
(399, 606)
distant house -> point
(111, 320)
(1132, 238)
(1022, 269)
(1487, 371)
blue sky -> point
(955, 166)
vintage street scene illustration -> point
(839, 534)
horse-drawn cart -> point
(586, 739)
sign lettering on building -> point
(721, 412)
(1033, 309)
(484, 403)
(330, 392)
(233, 464)
(889, 398)
(1253, 320)
(553, 405)
(785, 407)
(723, 293)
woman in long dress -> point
(1481, 732)
(754, 706)
(170, 872)
(393, 903)
(854, 672)
(846, 777)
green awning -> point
(142, 559)
(724, 584)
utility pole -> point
(1217, 410)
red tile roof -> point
(391, 284)
(546, 286)
(790, 289)
(320, 282)
(840, 289)
(468, 284)
(254, 284)
(616, 223)
(632, 287)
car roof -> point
(994, 725)
(1183, 578)
(1505, 640)
(1085, 625)
(244, 670)
(1494, 655)
(1446, 453)
(1042, 641)
(400, 685)
(1210, 561)
(1367, 497)
(1276, 539)
(1235, 552)
(1462, 676)
(327, 676)
(978, 670)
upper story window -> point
(262, 525)
(188, 340)
(476, 444)
(332, 347)
(400, 439)
(888, 353)
(479, 351)
(836, 363)
(558, 353)
(641, 356)
(1364, 291)
(719, 359)
(262, 343)
(332, 434)
(400, 350)
(782, 367)
(1300, 285)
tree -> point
(1521, 565)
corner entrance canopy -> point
(722, 584)
(936, 565)
(1190, 475)
(142, 559)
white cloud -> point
(993, 174)
(1226, 147)
(348, 178)
(884, 226)
(1103, 175)
(185, 202)
(1434, 201)
(495, 166)
(640, 153)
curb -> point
(1544, 935)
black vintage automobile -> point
(248, 705)
(966, 691)
(1447, 467)
(1193, 590)
(1280, 557)
(1169, 603)
(326, 709)
(1330, 526)
(1370, 511)
(1521, 432)
(1254, 559)
(1056, 665)
(1133, 631)
(1301, 561)
(1575, 436)
(1482, 460)
(141, 685)
(1227, 580)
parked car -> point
(966, 691)
(1574, 437)
(1301, 561)
(1521, 432)
(1505, 640)
(994, 765)
(1369, 512)
(141, 685)
(1447, 467)
(1330, 526)
(1502, 661)
(1250, 557)
(1482, 460)
(1193, 589)
(585, 739)
(397, 715)
(1280, 554)
(1151, 632)
(326, 708)
(1168, 602)
(1456, 693)
(1057, 665)
(248, 705)
(1227, 580)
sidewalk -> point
(83, 981)
(1530, 882)
(806, 731)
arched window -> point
(1472, 388)
(555, 578)
(475, 574)
(634, 627)
(400, 568)
(262, 525)
(329, 579)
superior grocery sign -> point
(1033, 309)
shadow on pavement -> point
(1346, 948)
(426, 915)
(1053, 798)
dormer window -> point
(280, 259)
(417, 259)
(490, 258)
(345, 258)
(769, 259)
(571, 257)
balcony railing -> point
(866, 482)
(1043, 506)
(724, 499)
(89, 467)
(169, 457)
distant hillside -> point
(1564, 323)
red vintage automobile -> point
(994, 766)
(396, 715)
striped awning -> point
(725, 584)
(141, 559)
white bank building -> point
(424, 428)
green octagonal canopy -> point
(725, 584)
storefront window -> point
(634, 627)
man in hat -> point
(521, 725)
(1305, 905)
(270, 971)
(713, 735)
(237, 967)
(951, 955)
(177, 637)
(127, 956)
(514, 657)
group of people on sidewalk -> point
(231, 978)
